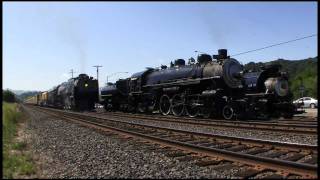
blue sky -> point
(43, 41)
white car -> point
(307, 102)
(98, 106)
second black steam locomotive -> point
(79, 93)
(213, 86)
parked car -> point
(306, 102)
(98, 106)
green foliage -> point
(9, 120)
(305, 70)
(8, 96)
(19, 145)
(13, 164)
(17, 165)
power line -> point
(275, 45)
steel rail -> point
(288, 128)
(312, 119)
(221, 120)
(289, 146)
(305, 170)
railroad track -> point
(297, 120)
(257, 156)
(256, 125)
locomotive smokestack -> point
(223, 53)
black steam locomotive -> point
(80, 93)
(213, 86)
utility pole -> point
(71, 73)
(97, 66)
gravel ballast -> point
(67, 150)
(245, 133)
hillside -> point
(23, 96)
(17, 92)
(305, 71)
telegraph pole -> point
(71, 73)
(97, 66)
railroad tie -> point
(273, 176)
(177, 154)
(237, 148)
(163, 150)
(312, 160)
(198, 142)
(275, 154)
(207, 162)
(206, 144)
(257, 151)
(294, 157)
(224, 167)
(222, 146)
(246, 173)
(186, 158)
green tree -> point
(8, 96)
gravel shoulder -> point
(66, 150)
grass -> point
(14, 164)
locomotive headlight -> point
(85, 85)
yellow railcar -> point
(32, 100)
(43, 98)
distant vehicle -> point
(98, 106)
(307, 102)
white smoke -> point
(69, 30)
(72, 33)
(218, 29)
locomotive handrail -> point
(186, 82)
